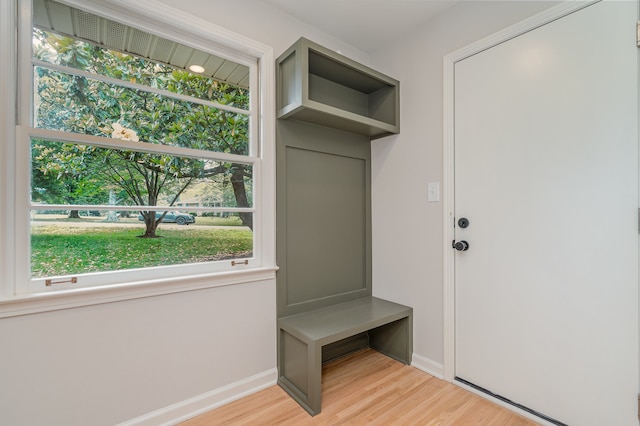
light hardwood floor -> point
(367, 388)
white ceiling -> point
(365, 24)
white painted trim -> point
(427, 365)
(264, 195)
(41, 206)
(448, 195)
(25, 132)
(8, 71)
(65, 299)
(189, 408)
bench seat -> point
(387, 325)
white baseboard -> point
(184, 410)
(428, 366)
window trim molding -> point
(8, 101)
(87, 296)
(153, 17)
(25, 132)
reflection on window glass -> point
(75, 242)
(65, 173)
(74, 53)
(83, 105)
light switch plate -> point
(433, 192)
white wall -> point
(263, 22)
(109, 363)
(407, 231)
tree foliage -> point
(81, 104)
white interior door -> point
(546, 172)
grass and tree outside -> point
(139, 182)
(62, 245)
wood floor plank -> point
(367, 388)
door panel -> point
(546, 171)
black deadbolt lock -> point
(463, 222)
(460, 245)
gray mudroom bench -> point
(388, 327)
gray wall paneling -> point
(324, 216)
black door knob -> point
(460, 245)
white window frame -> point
(18, 294)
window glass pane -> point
(63, 245)
(66, 173)
(59, 49)
(105, 205)
(82, 105)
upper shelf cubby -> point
(320, 86)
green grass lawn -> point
(57, 250)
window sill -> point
(33, 303)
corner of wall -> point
(427, 365)
(205, 402)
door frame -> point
(448, 195)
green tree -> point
(85, 105)
(52, 183)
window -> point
(138, 156)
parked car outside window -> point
(173, 217)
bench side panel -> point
(394, 339)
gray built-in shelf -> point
(320, 86)
(329, 109)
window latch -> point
(51, 282)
